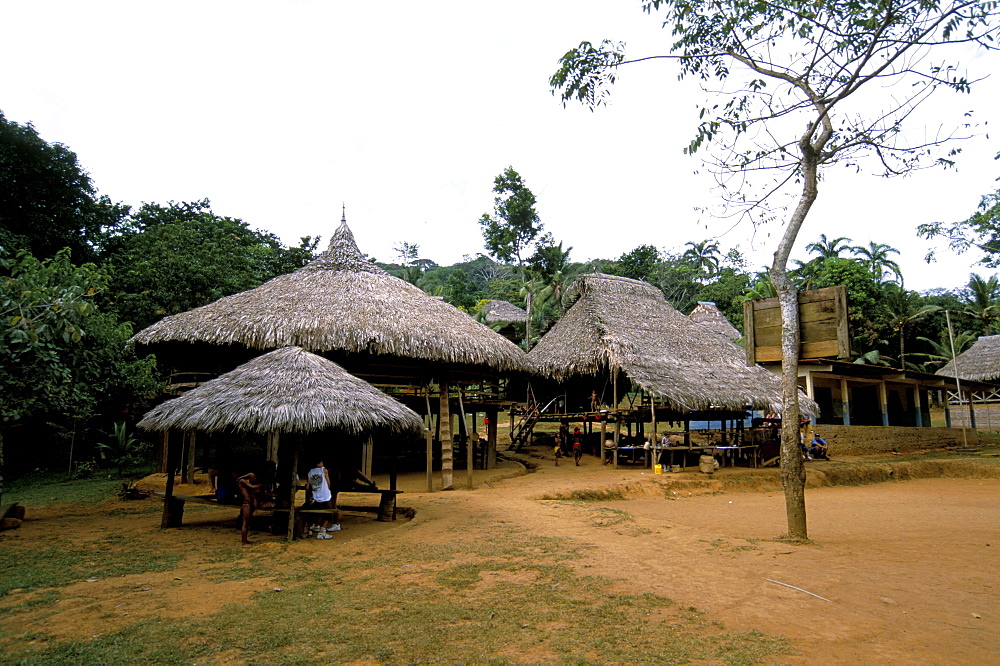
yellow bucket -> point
(657, 469)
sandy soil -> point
(907, 570)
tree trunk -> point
(793, 472)
(1, 465)
(529, 298)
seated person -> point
(818, 448)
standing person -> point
(251, 487)
(577, 445)
(320, 496)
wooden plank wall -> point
(823, 331)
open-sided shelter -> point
(375, 325)
(620, 336)
(288, 390)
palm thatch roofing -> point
(978, 363)
(709, 315)
(616, 322)
(341, 301)
(287, 390)
(503, 312)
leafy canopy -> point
(47, 200)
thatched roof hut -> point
(342, 302)
(979, 363)
(620, 323)
(710, 316)
(503, 312)
(287, 390)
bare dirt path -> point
(909, 568)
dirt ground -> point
(907, 571)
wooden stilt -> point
(292, 490)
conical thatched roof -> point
(978, 363)
(503, 312)
(709, 315)
(342, 301)
(624, 323)
(287, 390)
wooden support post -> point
(367, 454)
(883, 403)
(292, 490)
(447, 453)
(845, 402)
(604, 438)
(491, 438)
(161, 458)
(468, 438)
(173, 509)
(618, 421)
(429, 437)
(272, 447)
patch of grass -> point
(603, 495)
(33, 568)
(33, 602)
(605, 517)
(507, 598)
(40, 489)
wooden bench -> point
(385, 511)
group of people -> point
(255, 490)
(566, 442)
(817, 447)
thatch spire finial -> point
(343, 213)
(342, 254)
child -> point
(320, 496)
(577, 445)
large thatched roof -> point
(979, 363)
(708, 314)
(287, 390)
(503, 312)
(616, 322)
(341, 301)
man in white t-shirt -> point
(320, 496)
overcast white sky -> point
(279, 112)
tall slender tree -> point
(513, 229)
(789, 73)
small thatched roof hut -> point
(287, 390)
(710, 316)
(979, 363)
(619, 323)
(503, 312)
(342, 302)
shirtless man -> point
(251, 487)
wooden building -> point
(426, 353)
(645, 362)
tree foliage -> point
(980, 230)
(169, 259)
(47, 200)
(514, 226)
(783, 77)
(65, 362)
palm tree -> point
(941, 351)
(705, 256)
(761, 289)
(903, 308)
(829, 248)
(875, 258)
(983, 301)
